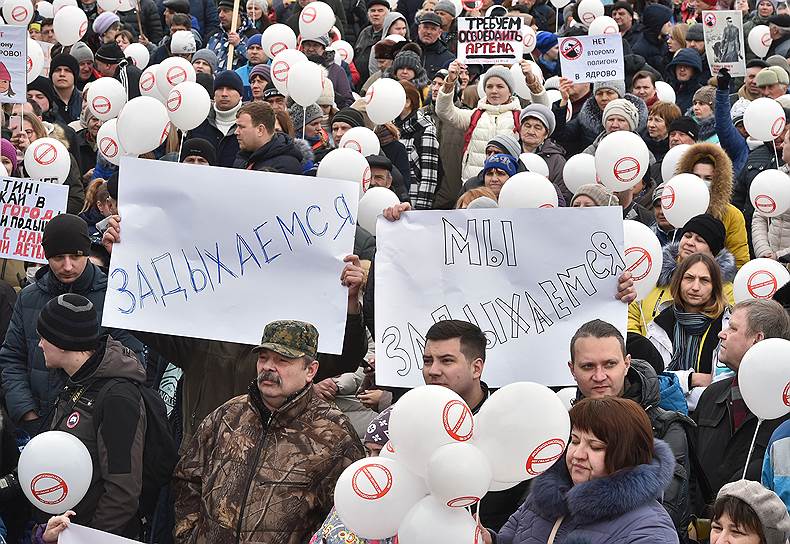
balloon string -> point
(558, 18)
(181, 145)
(751, 448)
(776, 156)
(304, 121)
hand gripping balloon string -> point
(751, 448)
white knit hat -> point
(623, 108)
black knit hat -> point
(624, 5)
(66, 234)
(230, 79)
(201, 148)
(43, 85)
(349, 116)
(64, 60)
(70, 323)
(686, 125)
(711, 229)
(109, 53)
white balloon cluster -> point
(442, 459)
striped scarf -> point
(689, 328)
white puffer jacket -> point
(771, 233)
(495, 120)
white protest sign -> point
(529, 292)
(218, 253)
(723, 33)
(13, 64)
(587, 59)
(490, 40)
(27, 207)
(77, 534)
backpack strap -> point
(472, 124)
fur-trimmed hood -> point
(554, 495)
(725, 259)
(721, 186)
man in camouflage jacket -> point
(263, 466)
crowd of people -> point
(196, 440)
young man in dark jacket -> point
(220, 125)
(101, 405)
(260, 148)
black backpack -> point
(160, 452)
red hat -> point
(4, 75)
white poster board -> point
(723, 32)
(13, 61)
(26, 206)
(77, 534)
(586, 59)
(490, 40)
(529, 292)
(218, 253)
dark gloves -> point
(9, 488)
(723, 80)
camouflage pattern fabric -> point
(290, 339)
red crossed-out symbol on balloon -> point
(547, 205)
(778, 126)
(174, 100)
(108, 147)
(343, 53)
(372, 482)
(786, 394)
(29, 64)
(277, 47)
(101, 104)
(367, 177)
(529, 39)
(165, 133)
(389, 447)
(458, 420)
(49, 488)
(762, 284)
(176, 75)
(309, 14)
(667, 197)
(765, 204)
(148, 81)
(369, 94)
(353, 144)
(45, 154)
(642, 258)
(83, 28)
(280, 71)
(19, 13)
(533, 458)
(626, 169)
(462, 502)
(766, 39)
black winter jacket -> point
(227, 145)
(149, 17)
(279, 154)
(760, 158)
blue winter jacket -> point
(776, 464)
(729, 138)
(622, 508)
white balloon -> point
(110, 5)
(139, 55)
(148, 86)
(567, 395)
(372, 204)
(173, 71)
(361, 139)
(35, 59)
(45, 9)
(344, 50)
(759, 40)
(671, 160)
(764, 378)
(316, 19)
(621, 160)
(386, 100)
(48, 158)
(684, 196)
(530, 39)
(770, 193)
(106, 98)
(395, 38)
(534, 163)
(277, 38)
(70, 24)
(579, 170)
(108, 143)
(373, 496)
(759, 278)
(345, 164)
(18, 12)
(603, 24)
(521, 89)
(55, 471)
(425, 419)
(559, 4)
(643, 256)
(58, 4)
(281, 67)
(522, 429)
(388, 451)
(502, 486)
(430, 522)
(589, 10)
(143, 125)
(305, 83)
(665, 92)
(188, 105)
(458, 475)
(528, 190)
(764, 119)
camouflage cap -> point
(290, 339)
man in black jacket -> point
(725, 426)
(435, 54)
(260, 148)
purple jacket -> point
(623, 508)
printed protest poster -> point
(587, 59)
(219, 261)
(496, 268)
(723, 32)
(78, 534)
(27, 207)
(490, 40)
(13, 61)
